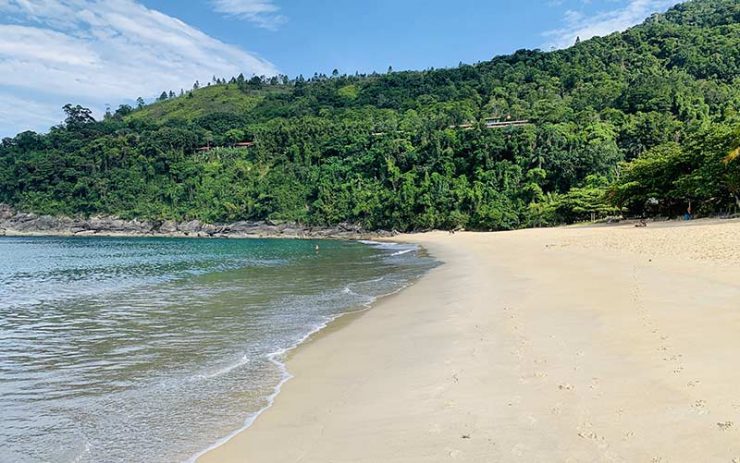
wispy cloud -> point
(578, 24)
(263, 13)
(95, 52)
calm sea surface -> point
(151, 350)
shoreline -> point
(280, 360)
(425, 342)
(283, 357)
(20, 224)
(9, 233)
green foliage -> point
(641, 122)
(589, 202)
(216, 99)
(669, 177)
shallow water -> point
(123, 350)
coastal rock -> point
(349, 228)
(14, 222)
(168, 226)
(47, 222)
(194, 226)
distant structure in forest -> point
(239, 145)
(494, 123)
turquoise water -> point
(128, 350)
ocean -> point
(155, 349)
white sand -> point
(552, 345)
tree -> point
(732, 164)
(123, 110)
(650, 180)
(77, 116)
(255, 82)
(140, 102)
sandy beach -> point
(614, 344)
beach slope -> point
(570, 344)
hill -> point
(637, 122)
(221, 99)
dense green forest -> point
(640, 122)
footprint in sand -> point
(588, 435)
(726, 426)
(700, 407)
(565, 387)
(591, 435)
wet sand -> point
(571, 344)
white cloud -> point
(604, 23)
(263, 13)
(95, 52)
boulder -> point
(6, 212)
(168, 226)
(194, 226)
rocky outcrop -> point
(21, 223)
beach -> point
(578, 344)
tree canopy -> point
(643, 121)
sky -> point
(100, 53)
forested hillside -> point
(644, 121)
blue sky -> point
(108, 52)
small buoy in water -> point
(317, 248)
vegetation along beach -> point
(530, 257)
